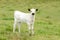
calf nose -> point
(32, 13)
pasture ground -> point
(47, 23)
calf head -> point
(33, 11)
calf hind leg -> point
(19, 24)
(14, 27)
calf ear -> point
(36, 9)
(28, 9)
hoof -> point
(30, 34)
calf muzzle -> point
(32, 13)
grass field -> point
(47, 21)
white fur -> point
(24, 17)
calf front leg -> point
(29, 28)
(32, 28)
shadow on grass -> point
(18, 36)
(7, 19)
(2, 39)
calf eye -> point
(28, 9)
(36, 9)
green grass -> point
(47, 21)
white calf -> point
(24, 17)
